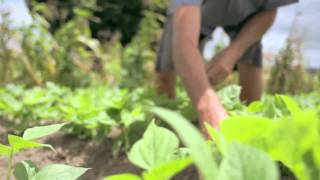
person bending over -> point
(245, 22)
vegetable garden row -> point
(258, 141)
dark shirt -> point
(227, 12)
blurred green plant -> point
(68, 55)
(7, 55)
(26, 170)
(289, 74)
(159, 157)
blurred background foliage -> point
(79, 43)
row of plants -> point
(249, 145)
(246, 147)
(277, 128)
(93, 112)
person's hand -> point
(210, 111)
(222, 64)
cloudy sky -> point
(273, 41)
(309, 23)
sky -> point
(273, 41)
(308, 22)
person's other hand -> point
(222, 65)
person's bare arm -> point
(189, 65)
(253, 30)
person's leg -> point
(251, 81)
(166, 84)
(251, 74)
(166, 77)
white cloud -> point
(18, 10)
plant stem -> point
(126, 139)
(9, 170)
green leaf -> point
(167, 170)
(217, 138)
(10, 103)
(316, 154)
(290, 139)
(18, 144)
(246, 129)
(157, 146)
(229, 97)
(41, 131)
(123, 177)
(243, 162)
(60, 172)
(25, 170)
(4, 150)
(290, 103)
(200, 151)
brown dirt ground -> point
(85, 153)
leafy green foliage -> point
(4, 150)
(200, 151)
(80, 43)
(17, 144)
(239, 161)
(59, 172)
(290, 139)
(229, 97)
(286, 128)
(157, 153)
(89, 112)
(38, 132)
(244, 162)
(167, 170)
(157, 146)
(26, 170)
(123, 177)
(28, 140)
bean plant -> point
(26, 170)
(248, 145)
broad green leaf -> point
(167, 170)
(157, 146)
(200, 151)
(18, 144)
(5, 150)
(60, 172)
(291, 138)
(243, 162)
(41, 131)
(246, 129)
(25, 170)
(123, 177)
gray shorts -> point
(253, 55)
